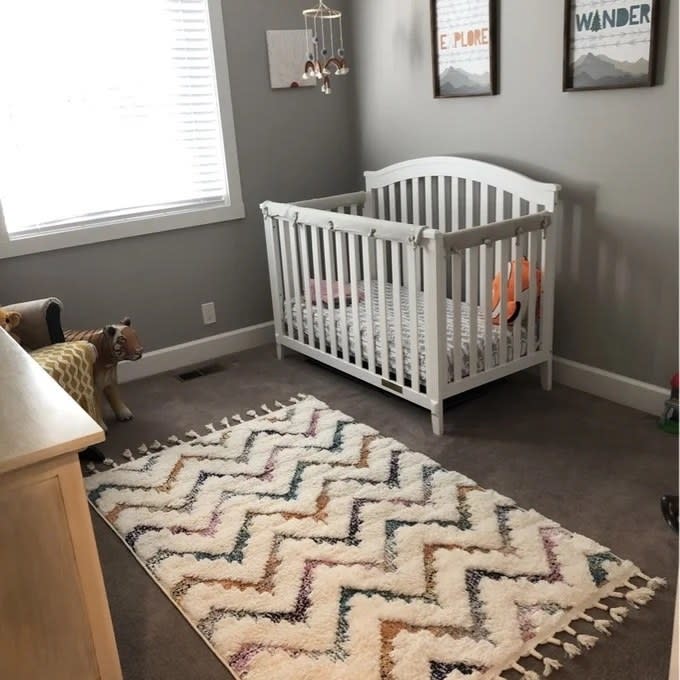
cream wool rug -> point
(304, 545)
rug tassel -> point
(301, 396)
(570, 650)
(602, 606)
(142, 450)
(654, 583)
(155, 446)
(536, 654)
(237, 418)
(210, 427)
(550, 665)
(252, 413)
(603, 626)
(618, 613)
(294, 400)
(526, 674)
(639, 596)
(109, 461)
(587, 641)
(91, 467)
(191, 434)
(225, 421)
(173, 440)
(278, 404)
(128, 454)
(265, 408)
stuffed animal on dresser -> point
(9, 320)
(114, 343)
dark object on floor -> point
(669, 508)
(92, 453)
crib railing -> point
(379, 273)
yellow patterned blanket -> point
(71, 365)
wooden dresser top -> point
(38, 420)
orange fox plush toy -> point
(517, 303)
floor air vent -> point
(199, 372)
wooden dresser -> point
(54, 616)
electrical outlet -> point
(208, 311)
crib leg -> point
(437, 413)
(547, 375)
(279, 351)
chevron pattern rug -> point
(304, 545)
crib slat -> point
(503, 268)
(473, 303)
(469, 202)
(296, 282)
(341, 263)
(403, 217)
(441, 190)
(516, 205)
(414, 346)
(396, 302)
(415, 197)
(382, 206)
(429, 208)
(392, 194)
(318, 276)
(287, 283)
(534, 242)
(368, 301)
(353, 209)
(457, 293)
(354, 291)
(382, 303)
(483, 203)
(500, 204)
(304, 256)
(487, 302)
(329, 257)
(403, 201)
(517, 286)
(455, 204)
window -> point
(115, 120)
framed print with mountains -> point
(464, 47)
(609, 44)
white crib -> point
(414, 257)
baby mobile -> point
(323, 59)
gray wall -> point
(614, 152)
(160, 280)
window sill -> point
(116, 229)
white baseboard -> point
(612, 386)
(197, 351)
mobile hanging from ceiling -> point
(325, 46)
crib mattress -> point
(364, 322)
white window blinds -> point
(107, 110)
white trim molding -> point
(197, 351)
(612, 386)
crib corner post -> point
(436, 363)
(271, 226)
(547, 374)
(437, 414)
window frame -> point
(83, 232)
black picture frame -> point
(493, 55)
(647, 79)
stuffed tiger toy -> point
(114, 343)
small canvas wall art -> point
(464, 47)
(287, 53)
(609, 44)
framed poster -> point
(609, 44)
(287, 52)
(464, 47)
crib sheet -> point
(348, 323)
